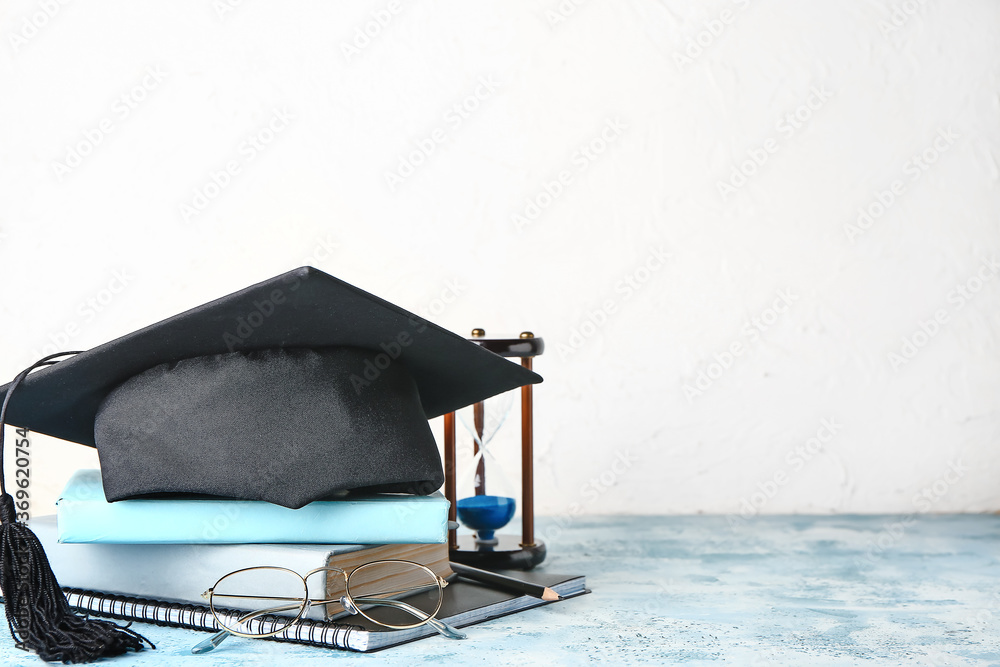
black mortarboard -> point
(287, 391)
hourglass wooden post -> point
(449, 476)
(479, 417)
(486, 549)
(527, 460)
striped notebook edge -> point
(197, 617)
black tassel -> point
(39, 617)
(38, 614)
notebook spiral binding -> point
(196, 617)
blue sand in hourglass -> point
(485, 514)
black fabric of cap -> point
(287, 391)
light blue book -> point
(85, 515)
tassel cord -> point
(38, 615)
(46, 361)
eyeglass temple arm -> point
(220, 636)
(210, 643)
(436, 623)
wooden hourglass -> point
(490, 505)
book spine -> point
(197, 617)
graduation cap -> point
(289, 391)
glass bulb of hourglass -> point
(488, 503)
(486, 514)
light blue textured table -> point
(696, 590)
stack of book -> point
(151, 560)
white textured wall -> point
(588, 172)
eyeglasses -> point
(259, 602)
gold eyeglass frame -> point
(305, 602)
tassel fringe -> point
(38, 614)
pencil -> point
(506, 583)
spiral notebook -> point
(465, 603)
